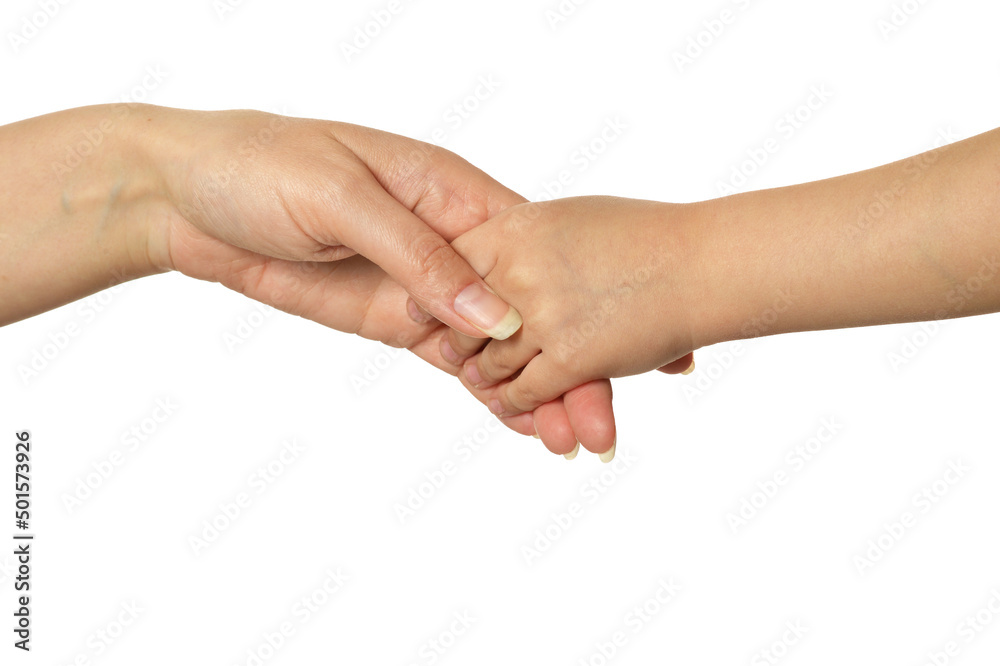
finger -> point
(540, 381)
(554, 429)
(682, 366)
(352, 295)
(429, 349)
(417, 313)
(550, 419)
(457, 347)
(591, 416)
(500, 360)
(418, 258)
(435, 183)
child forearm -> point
(913, 240)
(612, 287)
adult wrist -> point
(153, 142)
(138, 195)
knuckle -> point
(487, 370)
(406, 338)
(524, 278)
(523, 396)
(434, 259)
(348, 185)
(494, 364)
(567, 356)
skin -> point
(336, 223)
(611, 287)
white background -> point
(695, 447)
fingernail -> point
(416, 313)
(608, 455)
(472, 373)
(536, 436)
(448, 353)
(690, 368)
(496, 407)
(487, 312)
(572, 454)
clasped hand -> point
(341, 224)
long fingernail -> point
(608, 455)
(572, 454)
(417, 313)
(690, 368)
(487, 312)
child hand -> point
(600, 283)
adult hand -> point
(276, 207)
(253, 191)
(245, 199)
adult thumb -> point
(429, 269)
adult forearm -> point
(78, 192)
(913, 240)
